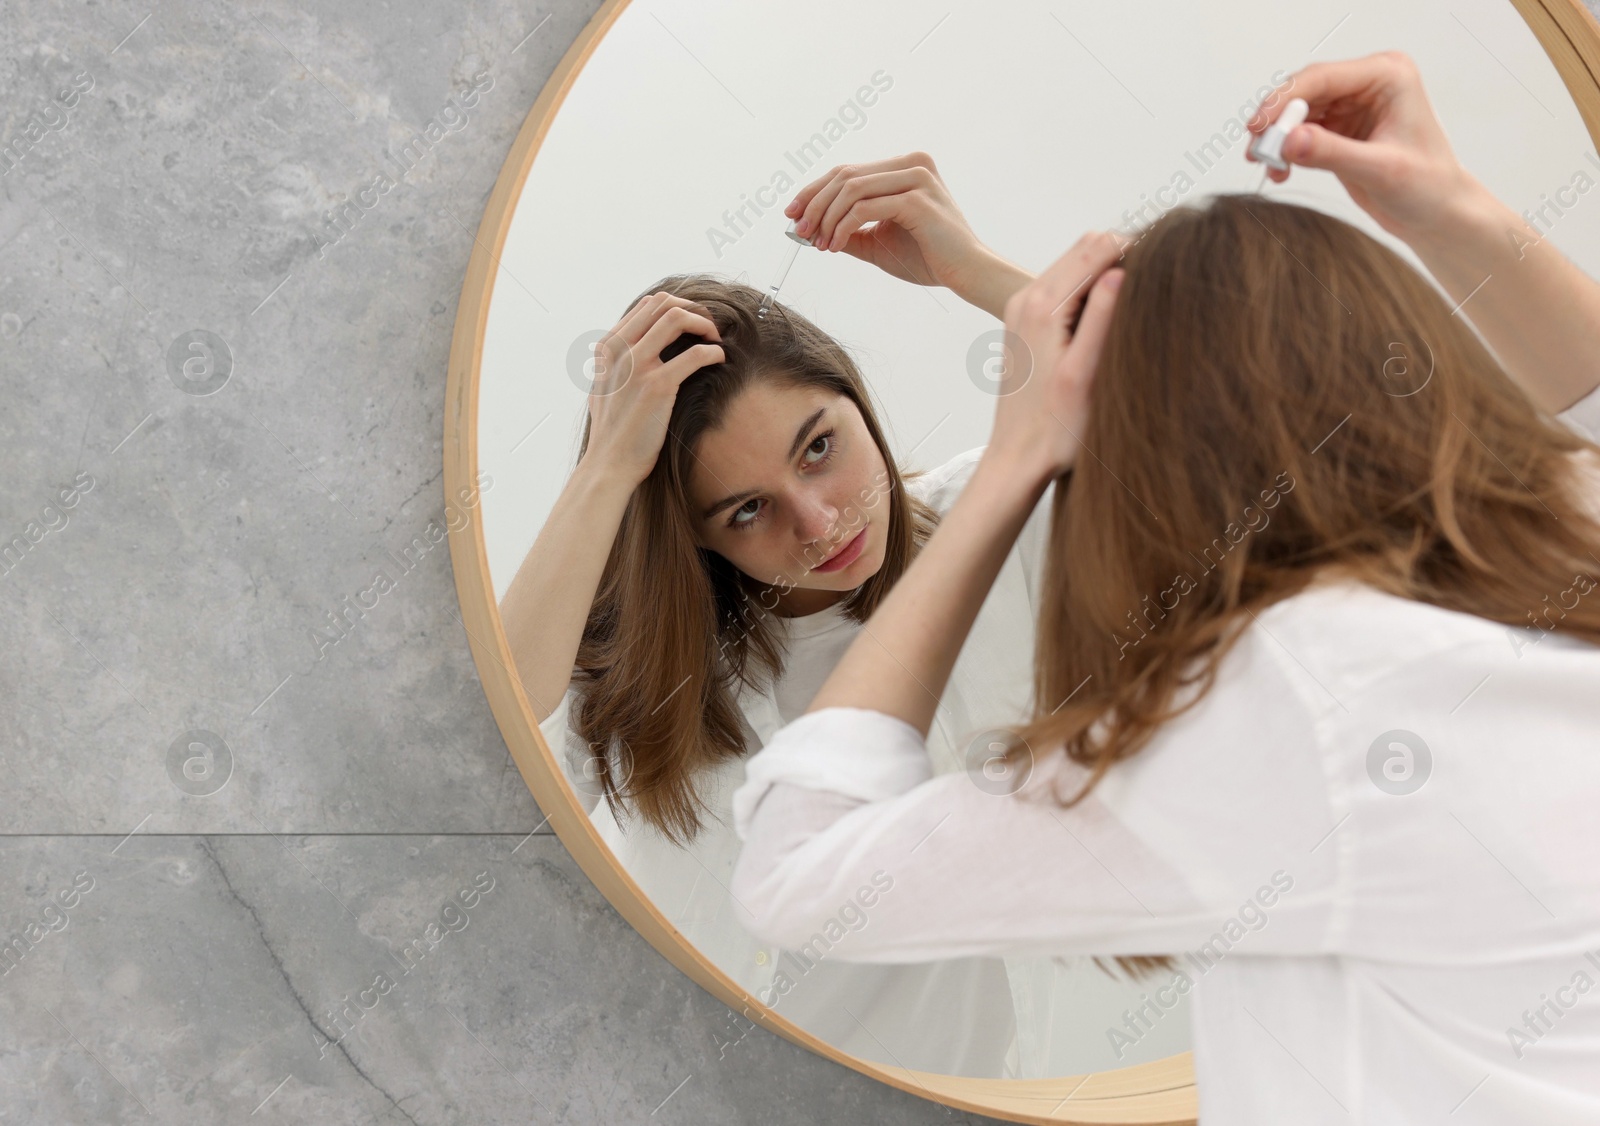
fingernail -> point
(1113, 280)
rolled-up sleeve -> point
(852, 752)
(841, 817)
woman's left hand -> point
(1044, 386)
(918, 234)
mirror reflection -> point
(700, 490)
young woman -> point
(1318, 654)
(735, 514)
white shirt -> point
(954, 1016)
(1352, 953)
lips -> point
(846, 555)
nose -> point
(816, 518)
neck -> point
(799, 602)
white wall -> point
(1045, 121)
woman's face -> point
(792, 490)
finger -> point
(633, 311)
(805, 194)
(689, 361)
(875, 210)
(649, 311)
(1083, 353)
(673, 323)
(1066, 280)
(817, 206)
(829, 186)
(1322, 83)
(1316, 147)
(1277, 176)
(643, 314)
(802, 199)
(898, 184)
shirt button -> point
(761, 957)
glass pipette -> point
(772, 293)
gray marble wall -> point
(257, 878)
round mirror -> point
(665, 147)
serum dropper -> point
(794, 252)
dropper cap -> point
(1268, 148)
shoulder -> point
(1583, 417)
(1455, 749)
(1339, 663)
(1352, 648)
(940, 486)
(1352, 636)
(1586, 469)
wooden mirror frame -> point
(1159, 1092)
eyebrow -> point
(800, 436)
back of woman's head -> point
(675, 629)
(1280, 392)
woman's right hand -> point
(898, 215)
(1371, 125)
(631, 398)
(1049, 370)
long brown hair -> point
(675, 628)
(1280, 392)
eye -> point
(751, 512)
(745, 510)
(825, 440)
